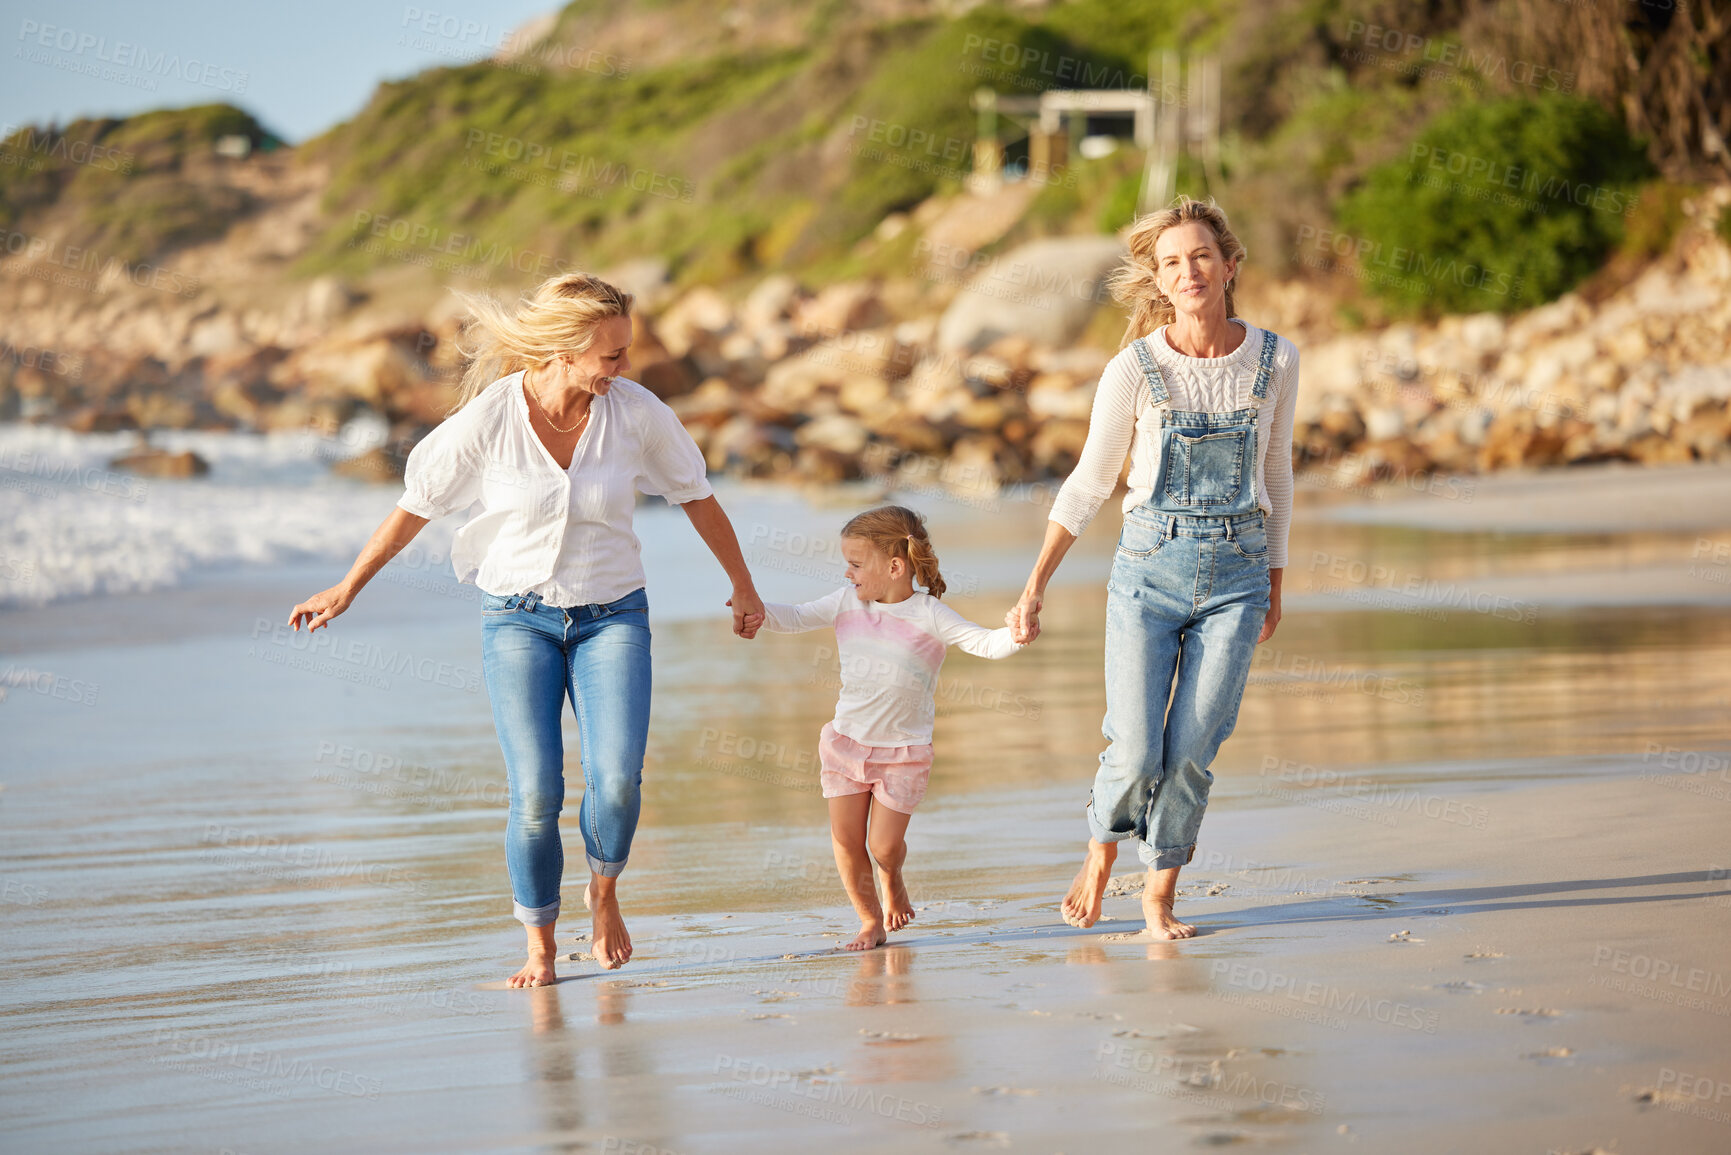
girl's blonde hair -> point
(896, 531)
(559, 317)
(1136, 283)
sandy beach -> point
(1462, 886)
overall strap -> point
(1264, 368)
(1157, 392)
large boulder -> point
(1045, 290)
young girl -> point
(876, 755)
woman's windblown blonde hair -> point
(559, 317)
(1135, 283)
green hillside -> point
(734, 154)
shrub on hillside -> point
(1494, 206)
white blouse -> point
(890, 654)
(1124, 419)
(562, 533)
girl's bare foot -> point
(1081, 907)
(610, 945)
(871, 934)
(898, 910)
(538, 971)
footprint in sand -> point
(762, 1015)
(1003, 1091)
(1530, 1013)
(877, 1038)
(986, 1138)
(1403, 936)
(1549, 1053)
(1483, 954)
(1462, 987)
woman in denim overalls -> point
(1195, 582)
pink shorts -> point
(894, 775)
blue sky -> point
(299, 67)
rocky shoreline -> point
(971, 377)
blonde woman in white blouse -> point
(1204, 404)
(550, 445)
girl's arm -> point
(955, 630)
(780, 618)
(711, 523)
(395, 532)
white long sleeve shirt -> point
(562, 533)
(890, 654)
(1124, 419)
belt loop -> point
(1171, 527)
(1229, 529)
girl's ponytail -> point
(900, 532)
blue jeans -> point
(1184, 606)
(534, 656)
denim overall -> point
(1184, 606)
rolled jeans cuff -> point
(536, 915)
(1100, 834)
(1167, 858)
(605, 869)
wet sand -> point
(1462, 885)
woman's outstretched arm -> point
(710, 522)
(1024, 618)
(395, 532)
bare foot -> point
(870, 935)
(1157, 909)
(1081, 907)
(610, 944)
(898, 911)
(537, 972)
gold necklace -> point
(586, 411)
